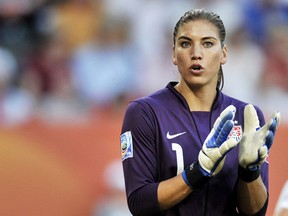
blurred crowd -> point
(63, 60)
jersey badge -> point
(126, 145)
(236, 133)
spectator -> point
(260, 15)
(48, 77)
(274, 78)
(102, 69)
(242, 50)
(18, 21)
(11, 96)
(76, 20)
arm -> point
(252, 195)
(172, 191)
(140, 168)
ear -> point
(224, 55)
(174, 56)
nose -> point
(196, 52)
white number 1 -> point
(179, 157)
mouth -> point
(196, 68)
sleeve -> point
(138, 147)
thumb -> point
(276, 122)
(227, 146)
(251, 121)
(263, 153)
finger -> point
(261, 156)
(276, 121)
(251, 121)
(224, 133)
(278, 117)
(217, 167)
(227, 146)
(273, 123)
(218, 136)
(273, 126)
(227, 114)
(263, 153)
(205, 162)
(212, 153)
(269, 140)
(211, 162)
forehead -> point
(198, 28)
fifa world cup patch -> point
(126, 145)
(236, 133)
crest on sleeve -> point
(236, 133)
(126, 145)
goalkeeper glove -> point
(255, 143)
(212, 155)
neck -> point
(198, 99)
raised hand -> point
(214, 150)
(256, 142)
(216, 146)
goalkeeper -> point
(189, 149)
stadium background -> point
(68, 70)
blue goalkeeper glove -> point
(216, 146)
(255, 143)
(212, 155)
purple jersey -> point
(160, 137)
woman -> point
(183, 149)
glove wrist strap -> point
(248, 175)
(193, 177)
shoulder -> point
(231, 100)
(236, 102)
(146, 106)
(240, 106)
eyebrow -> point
(189, 39)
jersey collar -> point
(216, 104)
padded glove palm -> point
(216, 146)
(214, 150)
(256, 142)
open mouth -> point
(196, 68)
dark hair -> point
(202, 14)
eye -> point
(185, 44)
(207, 44)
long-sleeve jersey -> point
(160, 137)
